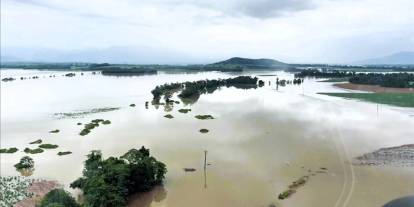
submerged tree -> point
(109, 182)
(25, 166)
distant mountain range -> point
(404, 58)
(251, 63)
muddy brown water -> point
(260, 141)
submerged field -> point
(261, 143)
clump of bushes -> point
(55, 131)
(94, 123)
(48, 146)
(204, 117)
(26, 162)
(33, 151)
(39, 141)
(64, 153)
(9, 150)
(132, 105)
(169, 116)
(109, 182)
(204, 131)
(184, 111)
(57, 198)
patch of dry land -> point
(394, 156)
(373, 88)
(38, 189)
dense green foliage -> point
(109, 182)
(396, 80)
(395, 99)
(9, 150)
(26, 162)
(58, 197)
(196, 88)
(93, 124)
(319, 74)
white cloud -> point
(293, 31)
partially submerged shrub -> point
(204, 131)
(39, 141)
(64, 153)
(26, 162)
(106, 122)
(33, 151)
(9, 150)
(169, 116)
(58, 197)
(55, 131)
(184, 111)
(48, 146)
(204, 117)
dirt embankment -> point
(373, 88)
(401, 156)
(39, 190)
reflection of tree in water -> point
(26, 172)
(157, 194)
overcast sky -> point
(190, 31)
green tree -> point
(57, 198)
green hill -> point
(247, 63)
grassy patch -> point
(33, 151)
(64, 153)
(9, 150)
(184, 111)
(106, 122)
(87, 128)
(394, 99)
(48, 146)
(204, 117)
(39, 141)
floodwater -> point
(260, 141)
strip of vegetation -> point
(84, 113)
(394, 80)
(55, 131)
(193, 90)
(39, 141)
(292, 188)
(204, 117)
(184, 111)
(64, 153)
(394, 99)
(118, 71)
(93, 124)
(48, 146)
(109, 182)
(33, 151)
(9, 150)
(322, 74)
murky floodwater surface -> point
(260, 141)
